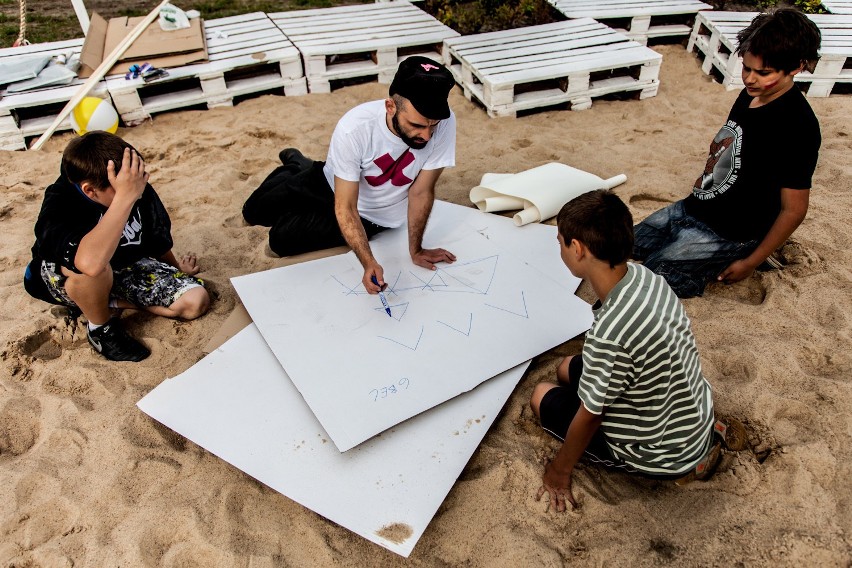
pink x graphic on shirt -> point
(392, 170)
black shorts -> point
(557, 410)
(147, 282)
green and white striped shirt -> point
(642, 371)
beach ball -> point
(94, 114)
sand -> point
(86, 479)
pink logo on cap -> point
(428, 66)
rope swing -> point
(22, 35)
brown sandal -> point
(732, 433)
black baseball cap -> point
(426, 83)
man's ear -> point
(390, 106)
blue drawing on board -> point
(403, 344)
(350, 290)
(472, 277)
(525, 313)
(475, 276)
(397, 310)
(469, 326)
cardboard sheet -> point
(239, 404)
(540, 192)
(155, 46)
(451, 329)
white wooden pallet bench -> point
(647, 18)
(715, 36)
(843, 7)
(30, 113)
(549, 64)
(246, 54)
(347, 42)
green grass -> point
(60, 24)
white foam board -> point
(362, 372)
(239, 404)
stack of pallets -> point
(645, 18)
(715, 36)
(838, 6)
(247, 54)
(544, 65)
(30, 113)
(360, 41)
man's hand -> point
(736, 271)
(130, 181)
(188, 264)
(374, 270)
(428, 257)
(558, 486)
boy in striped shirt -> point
(636, 399)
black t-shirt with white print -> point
(67, 215)
(756, 153)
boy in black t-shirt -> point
(103, 240)
(755, 187)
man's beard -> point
(410, 142)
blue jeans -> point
(685, 251)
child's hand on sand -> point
(188, 264)
(131, 179)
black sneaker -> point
(111, 341)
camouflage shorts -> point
(147, 282)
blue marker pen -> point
(382, 296)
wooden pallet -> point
(360, 40)
(247, 54)
(550, 64)
(648, 18)
(30, 113)
(842, 7)
(715, 36)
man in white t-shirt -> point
(383, 162)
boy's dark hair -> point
(600, 220)
(785, 39)
(85, 158)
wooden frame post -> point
(82, 15)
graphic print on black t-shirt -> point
(723, 163)
(132, 234)
(392, 170)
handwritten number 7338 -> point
(389, 390)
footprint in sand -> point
(750, 291)
(521, 144)
(144, 432)
(235, 221)
(648, 201)
(41, 345)
(800, 260)
(150, 476)
(45, 344)
(828, 364)
(254, 519)
(733, 366)
(19, 425)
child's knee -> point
(192, 304)
(562, 374)
(537, 395)
(84, 285)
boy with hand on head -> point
(103, 240)
(636, 399)
(755, 187)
